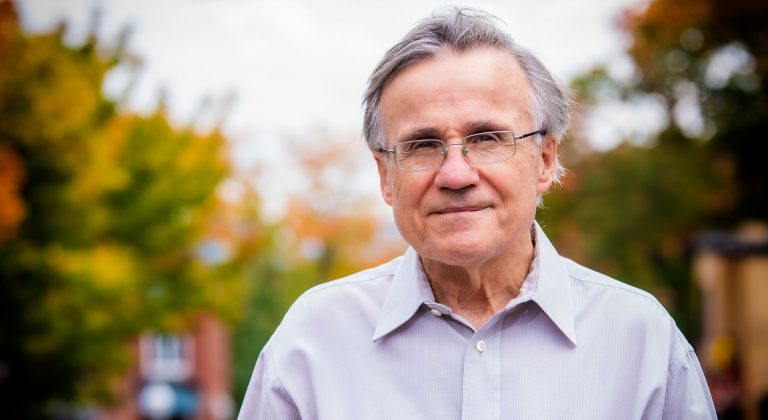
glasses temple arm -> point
(542, 131)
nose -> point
(456, 172)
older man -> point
(481, 318)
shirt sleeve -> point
(265, 398)
(687, 394)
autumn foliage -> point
(114, 223)
(101, 217)
(634, 211)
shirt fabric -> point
(574, 344)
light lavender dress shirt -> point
(574, 344)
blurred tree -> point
(631, 211)
(709, 61)
(103, 214)
(325, 233)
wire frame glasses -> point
(480, 149)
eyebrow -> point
(472, 127)
(421, 133)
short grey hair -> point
(462, 29)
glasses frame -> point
(464, 150)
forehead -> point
(450, 90)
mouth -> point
(463, 209)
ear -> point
(383, 167)
(547, 163)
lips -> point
(449, 210)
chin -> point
(457, 252)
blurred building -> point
(731, 270)
(181, 376)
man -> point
(480, 319)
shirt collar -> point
(551, 286)
(548, 283)
(410, 288)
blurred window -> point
(166, 357)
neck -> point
(478, 292)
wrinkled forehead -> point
(454, 88)
(463, 63)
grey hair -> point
(462, 29)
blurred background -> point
(174, 174)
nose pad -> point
(464, 150)
(452, 164)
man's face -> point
(463, 214)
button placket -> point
(481, 378)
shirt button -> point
(480, 346)
(436, 312)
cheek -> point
(408, 187)
(517, 173)
(516, 184)
(404, 202)
(408, 194)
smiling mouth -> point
(460, 209)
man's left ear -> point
(547, 163)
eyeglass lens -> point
(428, 154)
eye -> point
(419, 145)
(483, 138)
(425, 144)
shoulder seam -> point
(643, 294)
(624, 287)
(341, 282)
